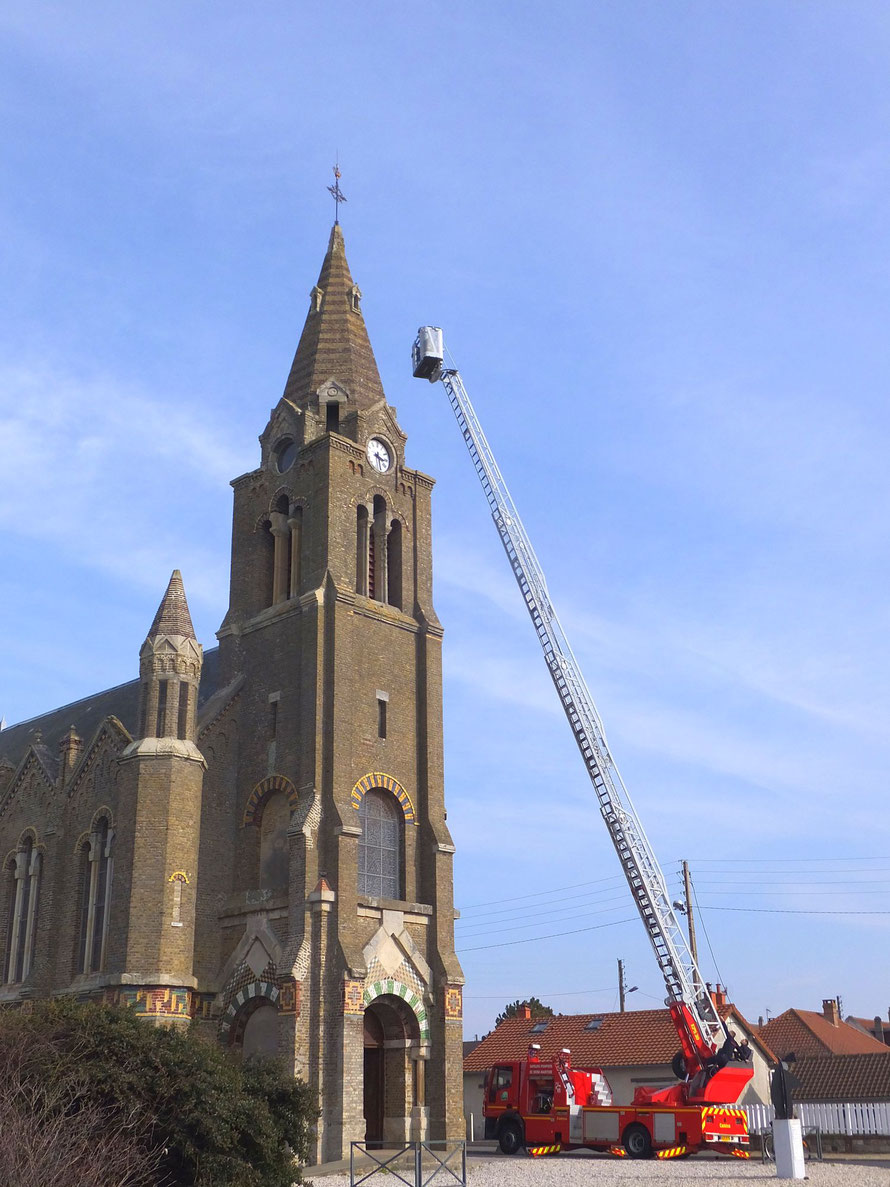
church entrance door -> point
(373, 1085)
(392, 1047)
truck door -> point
(501, 1091)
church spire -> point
(334, 343)
(173, 616)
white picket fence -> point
(848, 1119)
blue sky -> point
(657, 238)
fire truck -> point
(711, 1062)
(548, 1105)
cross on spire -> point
(336, 193)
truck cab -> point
(528, 1101)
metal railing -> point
(415, 1164)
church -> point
(253, 837)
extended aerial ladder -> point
(706, 1042)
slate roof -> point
(334, 343)
(840, 1078)
(807, 1033)
(87, 715)
(636, 1037)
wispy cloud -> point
(114, 475)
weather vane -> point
(336, 193)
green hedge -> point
(204, 1118)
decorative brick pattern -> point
(398, 989)
(454, 1003)
(353, 997)
(156, 1003)
(291, 991)
(266, 787)
(264, 989)
(379, 779)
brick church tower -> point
(254, 836)
(343, 856)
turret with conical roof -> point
(170, 669)
(157, 830)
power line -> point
(490, 923)
(520, 926)
(513, 910)
(719, 861)
(823, 882)
(484, 997)
(707, 936)
(540, 893)
(788, 889)
(552, 936)
(789, 911)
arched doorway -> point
(254, 1031)
(393, 1079)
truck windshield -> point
(501, 1080)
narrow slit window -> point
(183, 722)
(161, 722)
(333, 416)
(381, 717)
(362, 544)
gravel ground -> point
(561, 1171)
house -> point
(807, 1033)
(876, 1027)
(633, 1049)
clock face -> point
(379, 455)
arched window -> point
(362, 541)
(281, 560)
(23, 887)
(380, 846)
(274, 856)
(95, 897)
(377, 552)
(394, 565)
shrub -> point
(198, 1117)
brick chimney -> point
(879, 1028)
(718, 994)
(830, 1011)
(526, 1013)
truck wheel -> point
(510, 1137)
(637, 1142)
(678, 1066)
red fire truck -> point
(548, 1105)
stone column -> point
(296, 552)
(280, 565)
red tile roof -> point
(842, 1078)
(634, 1038)
(868, 1025)
(807, 1033)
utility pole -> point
(689, 918)
(621, 986)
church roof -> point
(334, 343)
(87, 714)
(173, 616)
